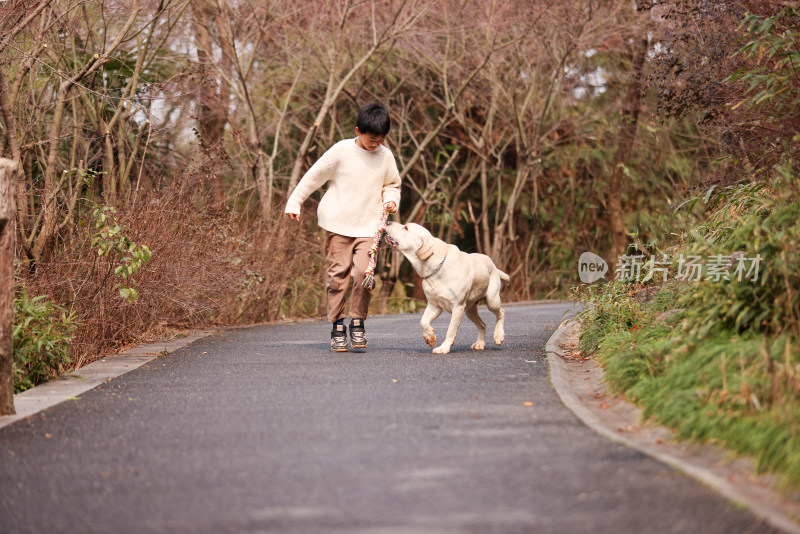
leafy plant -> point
(42, 332)
(726, 368)
(759, 226)
(606, 311)
(111, 240)
(776, 51)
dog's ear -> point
(425, 250)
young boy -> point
(363, 180)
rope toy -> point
(369, 274)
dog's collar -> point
(436, 270)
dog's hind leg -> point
(493, 303)
(472, 313)
(431, 313)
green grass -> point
(736, 389)
(726, 369)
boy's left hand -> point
(390, 206)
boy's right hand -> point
(294, 216)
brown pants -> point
(347, 256)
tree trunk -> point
(627, 135)
(7, 110)
(485, 201)
(212, 107)
(49, 205)
(8, 180)
(503, 229)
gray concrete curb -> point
(581, 385)
(90, 376)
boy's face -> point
(368, 141)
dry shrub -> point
(283, 272)
(206, 268)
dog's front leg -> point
(431, 313)
(452, 330)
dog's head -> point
(411, 239)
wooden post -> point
(8, 206)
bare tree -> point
(9, 95)
(340, 69)
(629, 121)
(119, 154)
(531, 88)
(7, 240)
(212, 103)
(41, 241)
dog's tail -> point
(503, 276)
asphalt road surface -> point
(264, 430)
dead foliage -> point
(207, 268)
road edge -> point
(708, 464)
(70, 385)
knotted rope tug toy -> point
(369, 274)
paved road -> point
(263, 430)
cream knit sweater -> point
(361, 182)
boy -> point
(363, 180)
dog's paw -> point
(499, 338)
(441, 350)
(479, 345)
(430, 339)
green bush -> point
(726, 369)
(606, 311)
(757, 225)
(42, 332)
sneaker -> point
(339, 338)
(358, 334)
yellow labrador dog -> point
(453, 281)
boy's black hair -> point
(374, 119)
